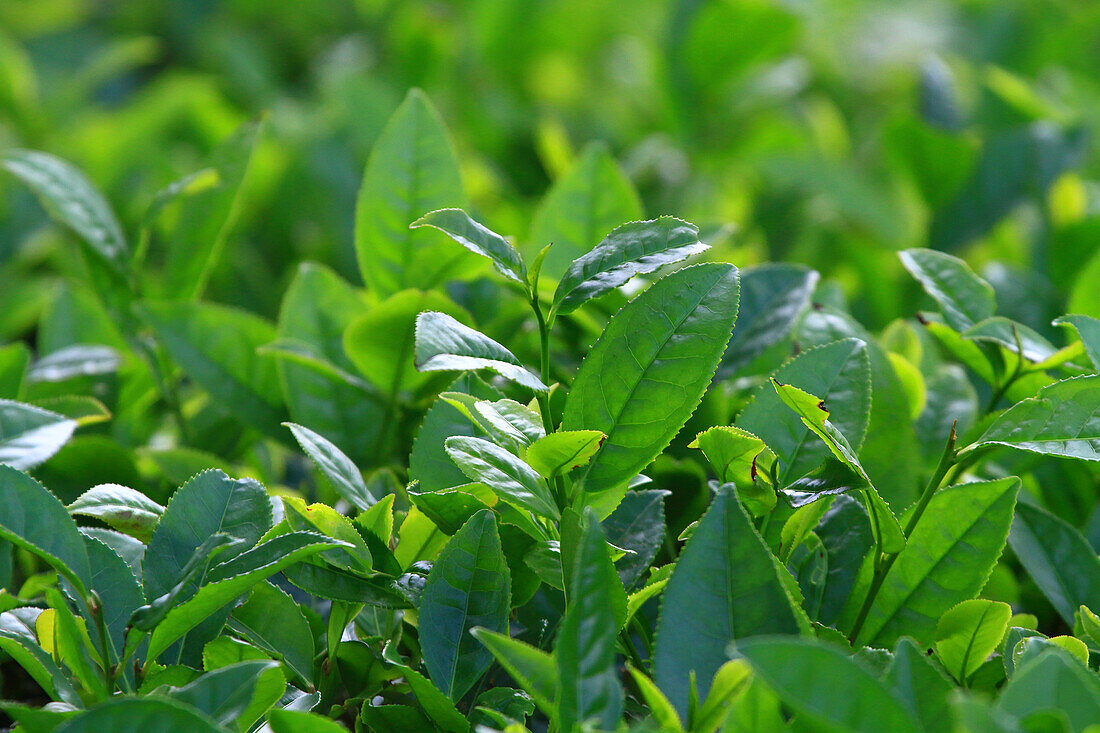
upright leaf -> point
(444, 344)
(637, 525)
(412, 170)
(477, 238)
(271, 620)
(235, 695)
(1053, 681)
(839, 376)
(964, 297)
(968, 633)
(773, 297)
(532, 668)
(1088, 328)
(32, 518)
(208, 504)
(921, 685)
(468, 587)
(29, 435)
(216, 347)
(635, 248)
(589, 691)
(316, 310)
(946, 560)
(1058, 558)
(337, 467)
(646, 374)
(70, 199)
(590, 200)
(726, 586)
(380, 341)
(207, 218)
(821, 682)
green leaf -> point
(70, 199)
(234, 696)
(773, 297)
(412, 170)
(120, 508)
(128, 714)
(29, 435)
(380, 342)
(1053, 680)
(116, 584)
(209, 504)
(216, 346)
(468, 587)
(637, 525)
(846, 534)
(532, 668)
(230, 579)
(444, 344)
(1000, 330)
(674, 334)
(964, 297)
(1058, 558)
(272, 621)
(589, 691)
(511, 478)
(479, 239)
(968, 633)
(449, 509)
(726, 586)
(921, 684)
(32, 518)
(635, 248)
(337, 467)
(839, 376)
(822, 683)
(946, 560)
(591, 199)
(296, 721)
(1061, 421)
(14, 359)
(735, 455)
(561, 452)
(41, 667)
(439, 709)
(316, 310)
(429, 463)
(206, 219)
(1089, 330)
(815, 416)
(74, 361)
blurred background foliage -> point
(830, 133)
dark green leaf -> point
(946, 561)
(636, 248)
(1089, 330)
(1000, 330)
(468, 587)
(964, 297)
(1053, 681)
(271, 620)
(921, 685)
(821, 682)
(589, 691)
(128, 714)
(1061, 420)
(1058, 559)
(674, 334)
(337, 467)
(637, 525)
(532, 668)
(726, 586)
(236, 695)
(772, 299)
(216, 347)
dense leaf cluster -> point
(612, 483)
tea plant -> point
(719, 505)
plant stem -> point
(96, 607)
(884, 562)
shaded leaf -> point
(444, 344)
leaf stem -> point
(96, 607)
(884, 562)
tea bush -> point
(604, 475)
